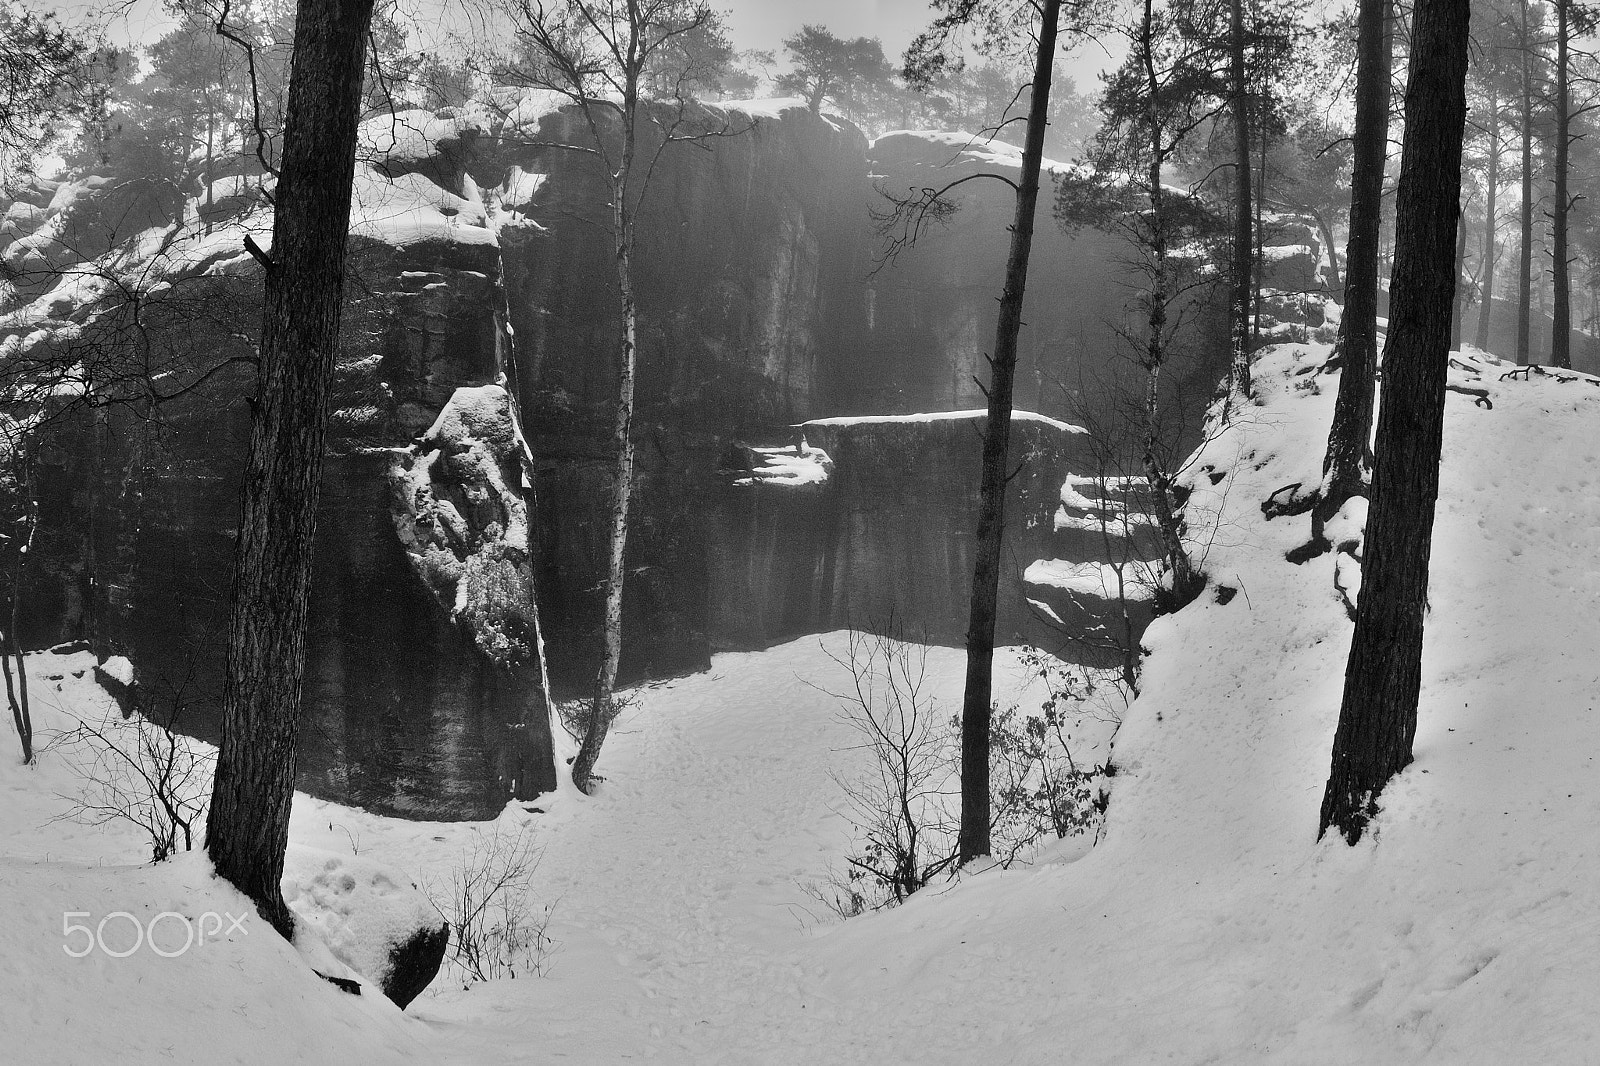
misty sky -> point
(753, 23)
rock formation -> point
(468, 455)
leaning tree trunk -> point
(1525, 252)
(976, 708)
(1561, 266)
(1344, 464)
(1490, 256)
(248, 827)
(1243, 246)
(1378, 715)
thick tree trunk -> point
(1525, 251)
(1243, 250)
(1344, 464)
(1561, 266)
(248, 827)
(1458, 310)
(1490, 252)
(1378, 715)
(976, 707)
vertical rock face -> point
(481, 300)
(881, 536)
(933, 308)
(751, 309)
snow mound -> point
(363, 910)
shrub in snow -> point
(495, 929)
(139, 771)
(1039, 790)
(373, 919)
(902, 807)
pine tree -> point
(248, 826)
(1378, 714)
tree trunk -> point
(603, 708)
(1343, 466)
(1458, 310)
(1239, 91)
(1525, 252)
(1490, 256)
(1378, 715)
(1326, 231)
(976, 705)
(248, 827)
(1561, 266)
(1184, 579)
(1259, 259)
(17, 692)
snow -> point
(235, 995)
(359, 908)
(1088, 579)
(1278, 253)
(976, 147)
(408, 209)
(119, 669)
(790, 466)
(939, 416)
(1207, 926)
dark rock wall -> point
(759, 309)
(887, 541)
(932, 308)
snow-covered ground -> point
(1207, 927)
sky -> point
(759, 24)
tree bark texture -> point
(1490, 251)
(1525, 251)
(248, 826)
(1243, 244)
(603, 707)
(1378, 714)
(1184, 579)
(1561, 265)
(1458, 310)
(1344, 463)
(976, 706)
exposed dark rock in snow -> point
(415, 963)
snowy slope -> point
(1208, 927)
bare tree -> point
(607, 57)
